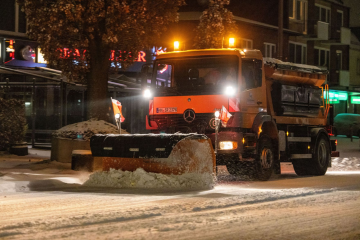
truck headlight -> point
(230, 91)
(147, 93)
(228, 145)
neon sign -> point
(355, 100)
(114, 55)
(10, 50)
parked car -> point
(347, 124)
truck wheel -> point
(264, 161)
(318, 164)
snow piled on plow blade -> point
(190, 165)
(142, 179)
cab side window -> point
(251, 72)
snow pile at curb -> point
(142, 179)
(85, 130)
(345, 164)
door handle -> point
(258, 102)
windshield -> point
(196, 71)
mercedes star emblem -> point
(189, 115)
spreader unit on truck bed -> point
(277, 112)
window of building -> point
(322, 13)
(297, 9)
(338, 60)
(12, 19)
(297, 52)
(322, 57)
(7, 15)
(270, 50)
(246, 43)
(339, 19)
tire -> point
(318, 165)
(265, 159)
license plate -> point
(166, 110)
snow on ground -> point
(85, 130)
(345, 164)
(42, 199)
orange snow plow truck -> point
(275, 112)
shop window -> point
(322, 57)
(270, 50)
(297, 53)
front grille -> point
(171, 123)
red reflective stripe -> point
(234, 105)
(151, 107)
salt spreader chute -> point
(159, 153)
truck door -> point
(252, 96)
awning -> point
(119, 81)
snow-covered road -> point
(47, 201)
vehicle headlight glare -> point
(147, 93)
(230, 91)
(228, 145)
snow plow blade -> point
(159, 153)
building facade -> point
(314, 32)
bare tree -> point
(78, 37)
(216, 23)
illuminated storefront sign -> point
(40, 56)
(10, 50)
(334, 101)
(355, 99)
(342, 96)
(28, 54)
(114, 55)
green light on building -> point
(334, 101)
(355, 100)
(342, 96)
